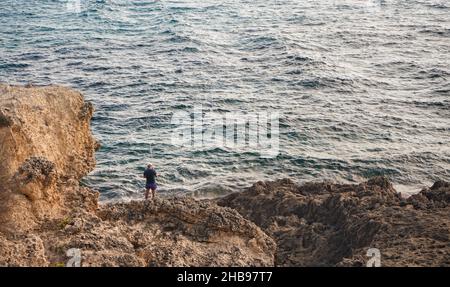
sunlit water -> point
(362, 87)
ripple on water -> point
(362, 90)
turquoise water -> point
(362, 87)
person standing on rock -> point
(151, 175)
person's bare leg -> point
(147, 191)
(153, 193)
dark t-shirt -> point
(150, 175)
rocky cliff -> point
(45, 141)
(46, 146)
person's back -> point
(150, 175)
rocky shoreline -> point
(46, 147)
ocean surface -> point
(362, 86)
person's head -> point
(150, 165)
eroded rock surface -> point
(50, 122)
(324, 224)
(45, 142)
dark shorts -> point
(152, 186)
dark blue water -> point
(362, 87)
